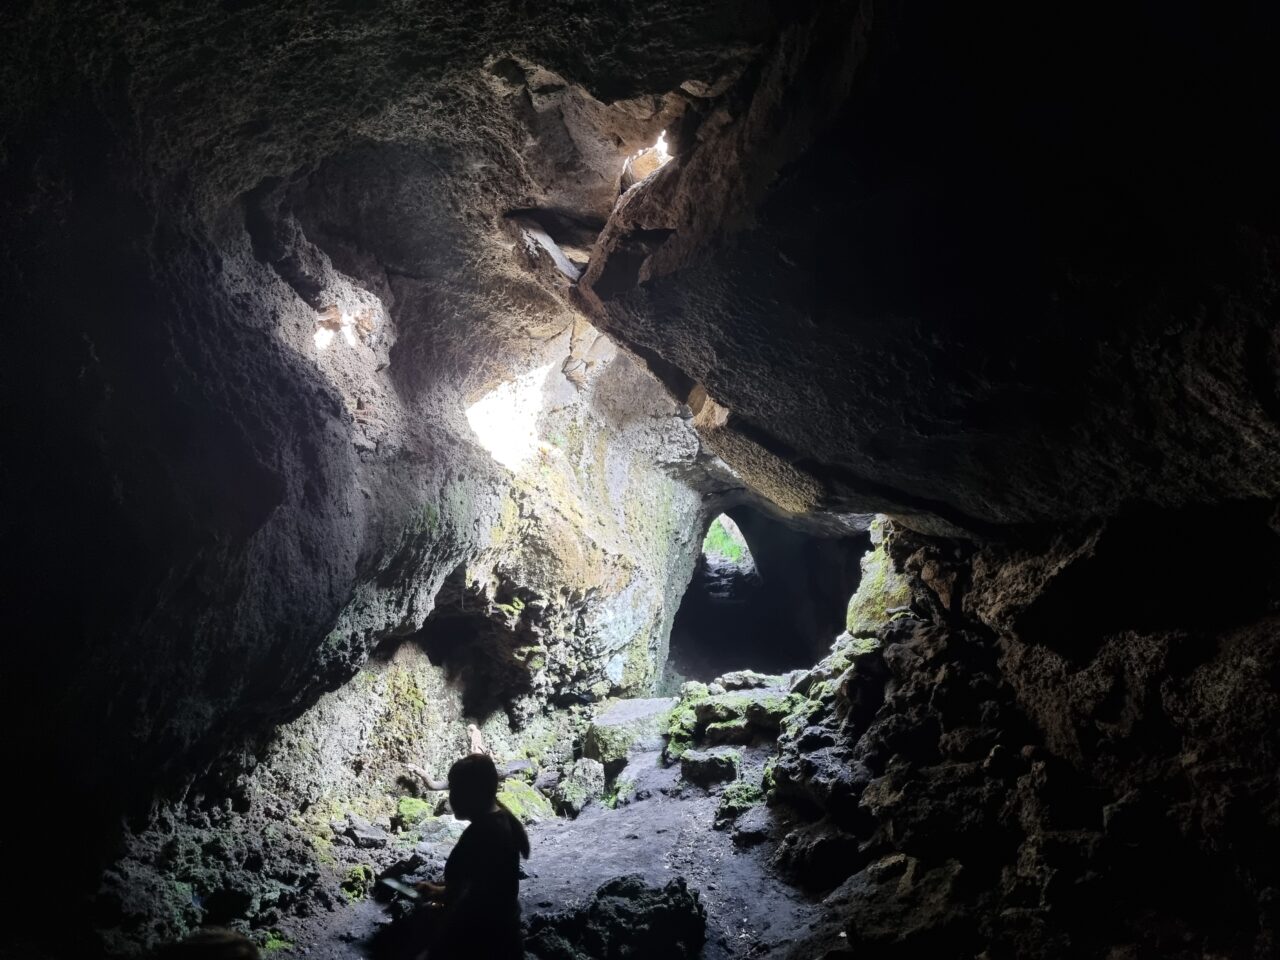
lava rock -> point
(366, 836)
(753, 827)
(582, 784)
(708, 767)
(627, 725)
(626, 919)
(522, 769)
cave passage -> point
(826, 455)
(764, 596)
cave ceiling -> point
(978, 297)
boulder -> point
(365, 835)
(626, 919)
(708, 767)
(738, 797)
(626, 726)
(521, 769)
(729, 731)
(583, 783)
(753, 827)
(524, 801)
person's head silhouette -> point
(473, 786)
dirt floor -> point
(669, 833)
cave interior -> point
(827, 455)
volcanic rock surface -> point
(363, 412)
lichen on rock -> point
(583, 783)
(883, 593)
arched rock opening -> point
(780, 616)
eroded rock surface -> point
(1007, 275)
(972, 791)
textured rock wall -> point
(1039, 762)
(215, 522)
(986, 286)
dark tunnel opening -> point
(775, 609)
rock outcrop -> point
(625, 920)
(967, 789)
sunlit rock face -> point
(290, 285)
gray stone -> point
(708, 767)
(753, 827)
(627, 726)
(365, 835)
(749, 680)
(582, 784)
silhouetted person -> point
(480, 895)
(212, 943)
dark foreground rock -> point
(626, 920)
(1038, 765)
(708, 767)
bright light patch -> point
(332, 319)
(505, 420)
(643, 162)
(660, 149)
(725, 544)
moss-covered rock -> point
(737, 798)
(682, 729)
(882, 593)
(358, 882)
(761, 708)
(528, 805)
(583, 783)
(729, 731)
(624, 726)
(410, 811)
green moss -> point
(524, 801)
(609, 744)
(880, 590)
(411, 811)
(623, 787)
(719, 542)
(729, 731)
(512, 609)
(766, 780)
(682, 728)
(358, 883)
(737, 798)
(276, 942)
(803, 713)
(770, 710)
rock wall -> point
(265, 263)
(1038, 762)
(571, 578)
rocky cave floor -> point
(667, 831)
